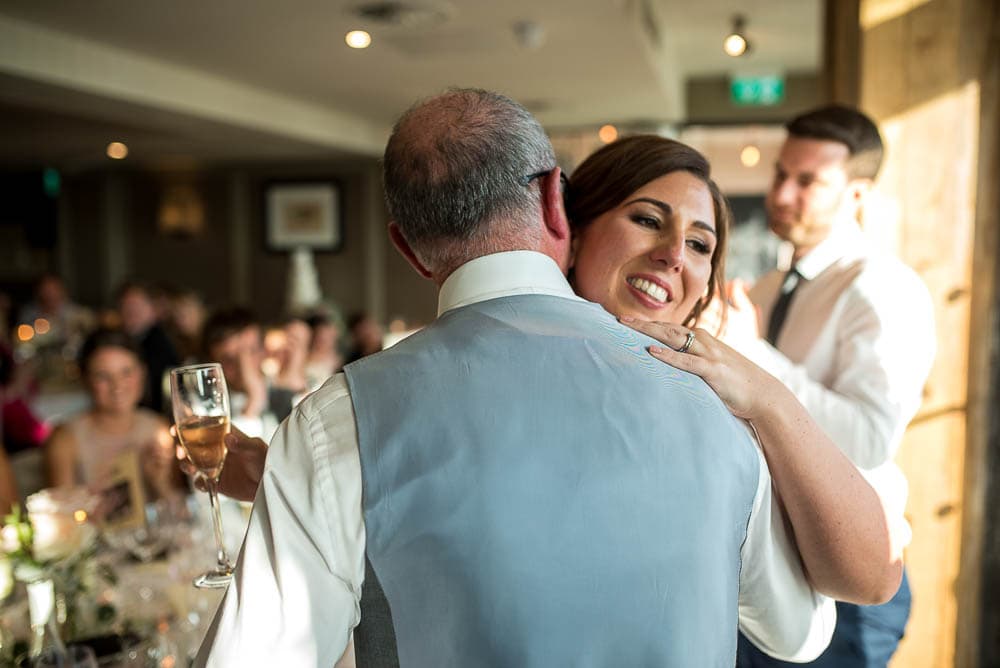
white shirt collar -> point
(846, 240)
(503, 275)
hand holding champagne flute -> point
(201, 410)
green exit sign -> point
(757, 91)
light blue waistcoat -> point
(540, 492)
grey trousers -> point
(374, 637)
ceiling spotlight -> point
(750, 155)
(736, 43)
(608, 133)
(117, 150)
(358, 39)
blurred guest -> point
(324, 358)
(233, 338)
(20, 427)
(286, 347)
(850, 331)
(54, 317)
(187, 317)
(85, 449)
(162, 294)
(366, 336)
(139, 320)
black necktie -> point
(780, 310)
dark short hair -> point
(224, 323)
(846, 126)
(611, 174)
(106, 338)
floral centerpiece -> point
(50, 546)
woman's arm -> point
(840, 527)
(60, 458)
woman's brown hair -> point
(611, 174)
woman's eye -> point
(699, 246)
(646, 221)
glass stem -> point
(220, 547)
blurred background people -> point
(233, 337)
(850, 331)
(186, 319)
(139, 319)
(366, 336)
(20, 428)
(57, 321)
(292, 372)
(324, 357)
(84, 449)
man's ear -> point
(553, 208)
(399, 241)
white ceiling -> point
(282, 69)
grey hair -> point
(455, 170)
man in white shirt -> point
(506, 532)
(849, 331)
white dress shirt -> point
(856, 348)
(295, 596)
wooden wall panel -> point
(932, 459)
(919, 77)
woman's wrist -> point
(773, 406)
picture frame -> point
(122, 495)
(303, 214)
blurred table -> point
(153, 598)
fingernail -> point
(626, 318)
(655, 350)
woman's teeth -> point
(649, 288)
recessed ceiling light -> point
(736, 43)
(608, 133)
(750, 155)
(358, 39)
(117, 150)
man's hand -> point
(243, 468)
(743, 317)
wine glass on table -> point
(201, 410)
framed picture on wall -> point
(303, 215)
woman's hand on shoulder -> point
(747, 390)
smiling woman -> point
(90, 448)
(649, 230)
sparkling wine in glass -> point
(201, 410)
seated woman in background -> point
(87, 449)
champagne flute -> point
(201, 410)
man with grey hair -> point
(519, 510)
